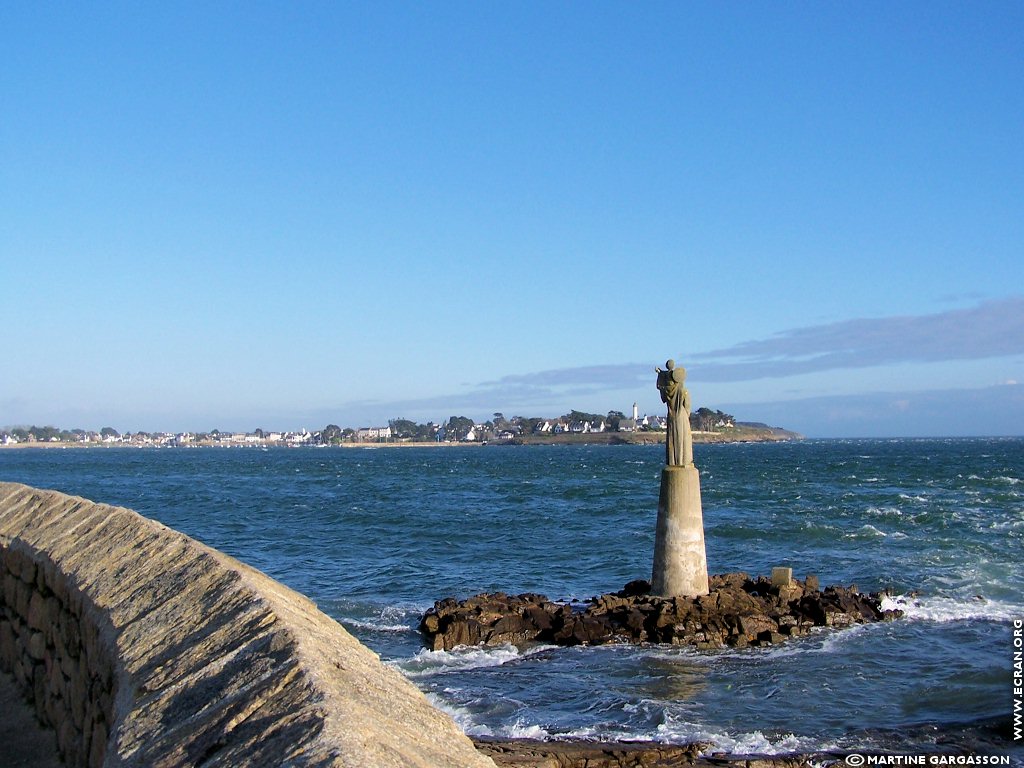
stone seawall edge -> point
(143, 647)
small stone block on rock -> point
(782, 577)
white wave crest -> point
(377, 626)
(816, 525)
(521, 730)
(943, 609)
(869, 531)
(752, 743)
(671, 731)
(465, 720)
(389, 618)
(884, 511)
(426, 662)
(462, 716)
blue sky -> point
(241, 215)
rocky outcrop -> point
(738, 612)
(530, 753)
(141, 647)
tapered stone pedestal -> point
(680, 561)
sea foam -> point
(744, 743)
(943, 609)
(426, 663)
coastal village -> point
(457, 429)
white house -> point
(373, 433)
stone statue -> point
(680, 561)
(679, 442)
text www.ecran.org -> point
(1018, 676)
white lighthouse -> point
(636, 413)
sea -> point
(376, 535)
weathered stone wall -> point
(53, 647)
(142, 647)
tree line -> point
(455, 428)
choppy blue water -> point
(376, 535)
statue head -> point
(670, 364)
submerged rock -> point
(738, 612)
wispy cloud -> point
(523, 393)
(586, 379)
(990, 329)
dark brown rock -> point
(530, 753)
(728, 581)
(738, 611)
(587, 754)
(539, 617)
(754, 626)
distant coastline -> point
(573, 428)
(742, 433)
(739, 434)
